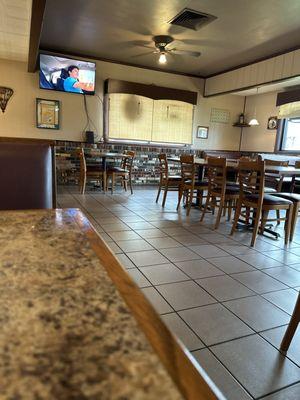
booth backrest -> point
(27, 175)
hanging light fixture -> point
(162, 58)
(253, 121)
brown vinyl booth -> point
(27, 174)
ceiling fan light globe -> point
(253, 122)
(162, 58)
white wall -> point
(19, 117)
(259, 138)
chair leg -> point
(158, 193)
(82, 184)
(230, 207)
(165, 194)
(189, 202)
(180, 193)
(291, 329)
(112, 182)
(205, 207)
(219, 215)
(278, 216)
(130, 183)
(256, 225)
(264, 218)
(287, 225)
(236, 217)
(294, 220)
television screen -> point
(67, 75)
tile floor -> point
(228, 303)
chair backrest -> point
(127, 160)
(188, 169)
(82, 160)
(297, 164)
(277, 163)
(216, 174)
(163, 166)
(251, 178)
(273, 179)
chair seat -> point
(174, 178)
(197, 183)
(269, 200)
(117, 170)
(269, 190)
(294, 197)
(230, 190)
(94, 168)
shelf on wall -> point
(241, 125)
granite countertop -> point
(65, 331)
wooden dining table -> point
(232, 165)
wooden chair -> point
(295, 180)
(93, 172)
(219, 194)
(124, 172)
(295, 199)
(252, 197)
(190, 186)
(273, 182)
(166, 181)
(291, 329)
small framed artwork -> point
(47, 114)
(272, 123)
(202, 132)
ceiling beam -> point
(37, 16)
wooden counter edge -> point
(190, 378)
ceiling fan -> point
(161, 47)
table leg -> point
(104, 173)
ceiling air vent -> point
(192, 19)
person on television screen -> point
(72, 84)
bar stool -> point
(166, 182)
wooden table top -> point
(75, 325)
(231, 164)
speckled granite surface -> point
(65, 332)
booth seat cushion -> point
(27, 176)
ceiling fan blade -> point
(185, 52)
(142, 43)
(144, 54)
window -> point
(137, 118)
(291, 134)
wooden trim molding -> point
(37, 16)
(152, 91)
(287, 97)
(256, 60)
(191, 379)
(62, 53)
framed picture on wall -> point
(272, 123)
(202, 132)
(47, 114)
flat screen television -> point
(67, 75)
